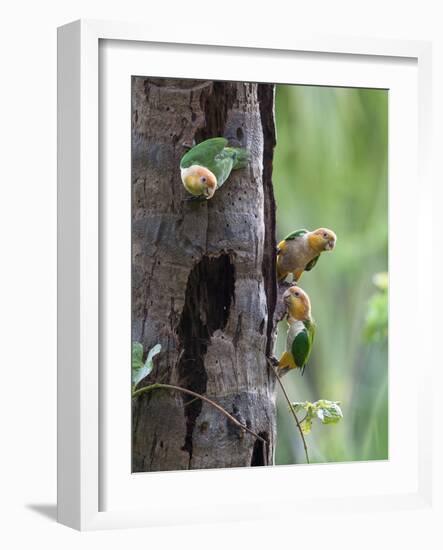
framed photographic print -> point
(233, 302)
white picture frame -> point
(81, 416)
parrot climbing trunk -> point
(203, 276)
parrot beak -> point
(287, 297)
(330, 245)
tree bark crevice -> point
(267, 117)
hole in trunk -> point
(259, 456)
(209, 292)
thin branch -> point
(191, 401)
(291, 409)
(152, 387)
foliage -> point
(141, 369)
(376, 327)
(328, 412)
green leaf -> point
(306, 424)
(152, 353)
(137, 355)
(328, 412)
(306, 421)
(376, 323)
(139, 369)
(301, 406)
(381, 280)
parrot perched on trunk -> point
(300, 251)
(206, 167)
(301, 331)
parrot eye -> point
(325, 235)
(297, 294)
(203, 179)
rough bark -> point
(203, 276)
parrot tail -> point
(241, 157)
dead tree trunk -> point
(203, 277)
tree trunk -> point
(203, 278)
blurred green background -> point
(330, 170)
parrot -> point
(301, 331)
(206, 166)
(300, 251)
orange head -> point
(297, 303)
(322, 239)
(198, 181)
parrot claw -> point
(274, 361)
(275, 365)
(187, 145)
(283, 371)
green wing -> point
(240, 156)
(296, 234)
(204, 153)
(312, 263)
(310, 327)
(301, 348)
(302, 345)
(222, 166)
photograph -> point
(221, 244)
(259, 274)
